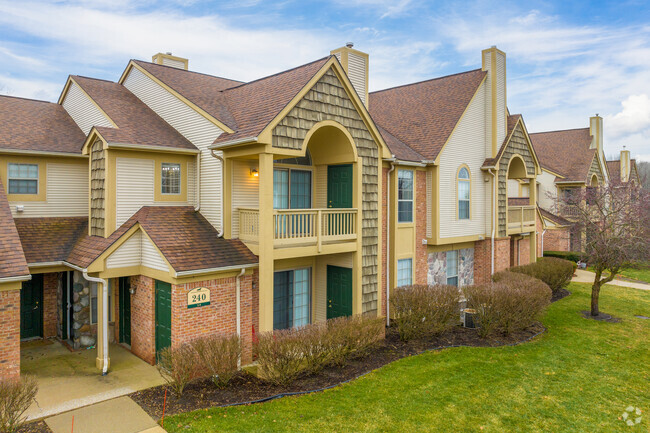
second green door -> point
(339, 291)
(163, 316)
(339, 186)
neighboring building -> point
(624, 170)
(173, 204)
(571, 161)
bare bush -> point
(178, 366)
(16, 395)
(281, 355)
(421, 311)
(556, 273)
(219, 357)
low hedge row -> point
(555, 272)
(572, 256)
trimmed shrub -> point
(512, 303)
(557, 273)
(284, 355)
(16, 395)
(421, 311)
(218, 355)
(178, 366)
(566, 255)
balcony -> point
(521, 219)
(301, 227)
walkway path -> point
(583, 276)
(120, 415)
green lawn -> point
(641, 274)
(578, 377)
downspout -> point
(238, 297)
(392, 167)
(494, 214)
(223, 166)
(198, 182)
(543, 232)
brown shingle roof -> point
(424, 114)
(398, 148)
(565, 152)
(246, 108)
(28, 124)
(614, 169)
(12, 258)
(50, 239)
(555, 218)
(136, 122)
(186, 239)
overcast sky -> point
(567, 60)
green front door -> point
(125, 310)
(339, 291)
(163, 315)
(339, 186)
(31, 307)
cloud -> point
(384, 8)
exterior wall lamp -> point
(254, 172)
(132, 290)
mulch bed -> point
(248, 388)
(35, 427)
(560, 294)
(601, 317)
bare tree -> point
(615, 222)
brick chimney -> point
(355, 64)
(494, 62)
(167, 59)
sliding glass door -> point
(291, 298)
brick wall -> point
(483, 258)
(539, 228)
(524, 251)
(10, 334)
(557, 240)
(218, 318)
(502, 254)
(143, 320)
(50, 303)
(421, 256)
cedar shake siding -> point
(328, 100)
(97, 189)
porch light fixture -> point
(254, 172)
(132, 290)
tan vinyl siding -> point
(173, 63)
(547, 190)
(135, 187)
(501, 100)
(128, 254)
(357, 74)
(429, 203)
(320, 186)
(320, 278)
(191, 183)
(151, 258)
(467, 135)
(66, 193)
(245, 191)
(193, 126)
(82, 110)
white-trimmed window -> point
(94, 303)
(404, 272)
(22, 178)
(463, 193)
(405, 196)
(452, 268)
(171, 178)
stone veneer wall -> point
(9, 334)
(437, 267)
(83, 333)
(516, 145)
(328, 100)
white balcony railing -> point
(301, 226)
(521, 219)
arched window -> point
(463, 193)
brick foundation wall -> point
(421, 256)
(502, 254)
(524, 251)
(10, 334)
(483, 257)
(218, 318)
(50, 303)
(143, 318)
(557, 240)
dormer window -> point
(171, 178)
(22, 178)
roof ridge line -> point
(28, 99)
(557, 130)
(187, 70)
(276, 74)
(95, 79)
(425, 81)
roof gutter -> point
(16, 279)
(410, 163)
(44, 153)
(211, 270)
(233, 142)
(144, 147)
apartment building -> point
(171, 204)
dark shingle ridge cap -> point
(558, 130)
(28, 99)
(187, 70)
(93, 78)
(276, 74)
(426, 81)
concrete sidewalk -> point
(583, 276)
(120, 415)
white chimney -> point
(625, 165)
(355, 64)
(494, 62)
(167, 59)
(596, 131)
